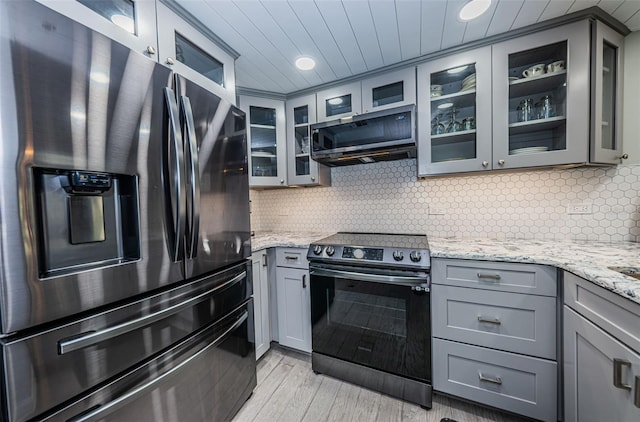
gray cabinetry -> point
(601, 354)
(301, 169)
(294, 301)
(494, 329)
(261, 302)
(267, 141)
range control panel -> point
(363, 253)
(387, 257)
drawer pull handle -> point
(291, 258)
(636, 400)
(496, 380)
(489, 276)
(489, 320)
(617, 373)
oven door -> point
(379, 318)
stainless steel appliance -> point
(125, 289)
(366, 138)
(371, 312)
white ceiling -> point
(349, 37)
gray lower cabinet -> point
(601, 354)
(294, 300)
(516, 383)
(261, 302)
(495, 334)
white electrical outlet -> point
(579, 209)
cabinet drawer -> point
(515, 383)
(508, 321)
(292, 257)
(503, 276)
(615, 314)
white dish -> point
(469, 78)
(528, 150)
(436, 94)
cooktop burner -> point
(382, 249)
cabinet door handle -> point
(264, 260)
(617, 373)
(304, 281)
(489, 320)
(489, 276)
(636, 399)
(496, 380)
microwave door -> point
(218, 227)
(81, 188)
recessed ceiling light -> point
(335, 101)
(305, 63)
(445, 105)
(473, 9)
(124, 22)
(457, 69)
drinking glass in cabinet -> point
(537, 81)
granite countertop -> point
(589, 260)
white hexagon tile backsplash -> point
(387, 197)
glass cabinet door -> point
(454, 95)
(606, 142)
(195, 55)
(541, 98)
(338, 102)
(393, 89)
(266, 133)
(301, 169)
(130, 22)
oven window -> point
(382, 326)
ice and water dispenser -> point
(86, 220)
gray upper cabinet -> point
(192, 54)
(606, 104)
(301, 169)
(267, 141)
(389, 90)
(541, 88)
(454, 113)
(129, 22)
(339, 102)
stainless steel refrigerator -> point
(125, 289)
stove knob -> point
(330, 250)
(358, 253)
(398, 255)
(415, 256)
(317, 249)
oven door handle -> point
(358, 276)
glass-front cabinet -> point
(194, 55)
(267, 141)
(606, 106)
(389, 90)
(302, 170)
(454, 120)
(541, 90)
(130, 22)
(339, 102)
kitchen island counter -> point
(587, 259)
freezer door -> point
(214, 134)
(43, 370)
(207, 377)
(73, 100)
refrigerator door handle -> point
(101, 411)
(194, 169)
(174, 199)
(91, 338)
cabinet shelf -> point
(536, 125)
(255, 125)
(459, 99)
(447, 138)
(537, 84)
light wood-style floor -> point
(288, 390)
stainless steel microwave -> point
(379, 136)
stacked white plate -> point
(469, 82)
(436, 90)
(529, 150)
